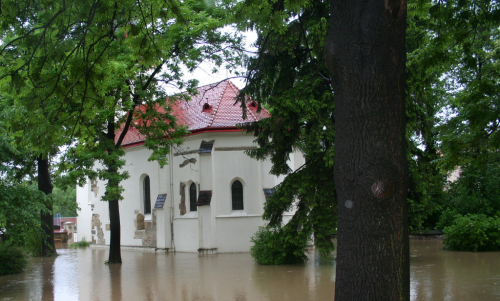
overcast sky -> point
(204, 73)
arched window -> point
(147, 195)
(192, 197)
(237, 194)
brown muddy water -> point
(80, 274)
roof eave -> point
(221, 129)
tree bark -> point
(366, 56)
(115, 255)
(47, 218)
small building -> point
(208, 199)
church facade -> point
(208, 199)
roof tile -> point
(222, 110)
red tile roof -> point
(213, 107)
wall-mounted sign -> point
(160, 200)
(204, 198)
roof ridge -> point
(212, 85)
(216, 109)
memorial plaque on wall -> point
(160, 200)
(204, 198)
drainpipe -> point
(171, 165)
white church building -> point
(208, 199)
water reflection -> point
(80, 274)
(437, 274)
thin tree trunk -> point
(114, 208)
(115, 228)
(115, 255)
(114, 244)
(365, 54)
(47, 218)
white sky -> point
(204, 73)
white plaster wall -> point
(138, 167)
(231, 230)
(84, 215)
(234, 233)
(186, 234)
(206, 231)
(163, 223)
(268, 180)
(99, 207)
(235, 165)
(188, 174)
(299, 159)
(102, 209)
(232, 139)
(205, 172)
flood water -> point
(80, 274)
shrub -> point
(447, 218)
(81, 243)
(271, 246)
(12, 259)
(476, 191)
(473, 232)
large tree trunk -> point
(47, 218)
(365, 54)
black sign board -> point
(204, 198)
(160, 200)
(206, 147)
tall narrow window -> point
(147, 195)
(237, 194)
(192, 197)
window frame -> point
(237, 199)
(193, 200)
(146, 194)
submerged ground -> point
(80, 274)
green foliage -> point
(20, 215)
(473, 232)
(476, 191)
(452, 71)
(16, 163)
(272, 247)
(65, 201)
(81, 243)
(469, 44)
(86, 74)
(290, 78)
(425, 93)
(12, 259)
(447, 218)
(310, 191)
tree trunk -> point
(115, 255)
(365, 54)
(47, 218)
